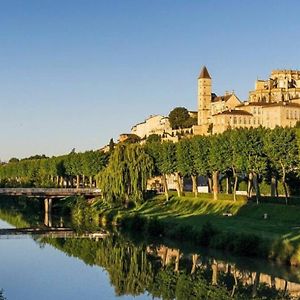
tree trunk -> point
(194, 266)
(195, 187)
(274, 190)
(256, 186)
(61, 181)
(286, 193)
(228, 185)
(178, 184)
(235, 184)
(91, 181)
(177, 259)
(214, 279)
(165, 185)
(250, 185)
(77, 181)
(255, 284)
(83, 181)
(209, 183)
(235, 283)
(216, 184)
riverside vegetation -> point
(261, 160)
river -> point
(109, 265)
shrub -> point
(206, 234)
(295, 258)
(155, 227)
(282, 251)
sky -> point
(75, 73)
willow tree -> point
(125, 177)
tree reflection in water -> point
(170, 274)
(2, 295)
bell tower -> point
(204, 97)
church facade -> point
(274, 102)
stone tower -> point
(204, 98)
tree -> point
(164, 158)
(218, 159)
(167, 164)
(237, 160)
(185, 161)
(125, 177)
(282, 151)
(179, 118)
(152, 138)
(132, 139)
(111, 145)
(255, 158)
(199, 152)
(13, 160)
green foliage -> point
(179, 118)
(184, 158)
(125, 177)
(132, 139)
(153, 138)
(40, 171)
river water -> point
(112, 266)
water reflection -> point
(169, 273)
(162, 270)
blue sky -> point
(74, 73)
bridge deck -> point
(50, 192)
(52, 232)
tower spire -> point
(204, 73)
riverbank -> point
(269, 230)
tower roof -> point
(204, 73)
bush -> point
(282, 251)
(155, 227)
(182, 233)
(247, 244)
(133, 222)
(295, 258)
(206, 234)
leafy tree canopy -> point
(153, 138)
(179, 118)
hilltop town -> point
(273, 102)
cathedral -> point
(274, 102)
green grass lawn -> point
(283, 221)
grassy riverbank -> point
(237, 227)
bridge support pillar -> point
(48, 209)
(48, 220)
(48, 205)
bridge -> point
(48, 194)
(52, 232)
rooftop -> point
(204, 73)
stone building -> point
(160, 125)
(274, 102)
(156, 124)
